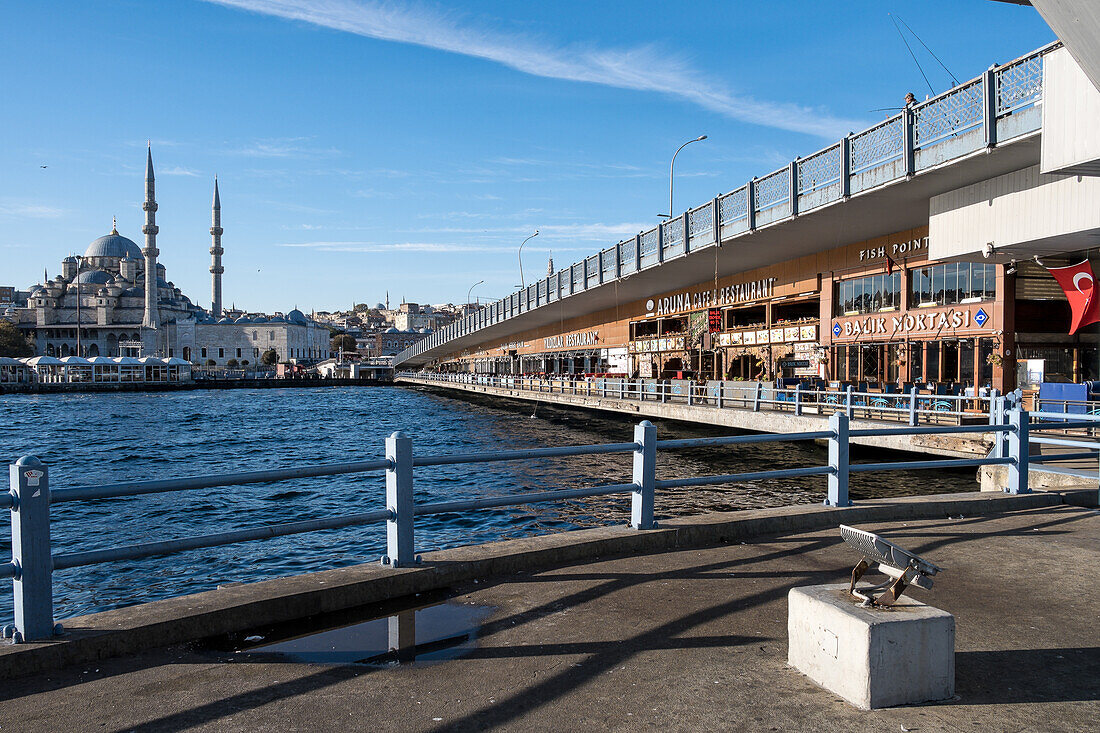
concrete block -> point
(872, 657)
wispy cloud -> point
(435, 247)
(642, 68)
(178, 171)
(23, 210)
(285, 147)
(595, 231)
(418, 247)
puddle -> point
(430, 633)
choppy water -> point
(98, 438)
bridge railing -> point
(999, 105)
(30, 497)
(914, 406)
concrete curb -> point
(242, 607)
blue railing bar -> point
(918, 465)
(1044, 440)
(136, 552)
(9, 570)
(449, 507)
(931, 430)
(6, 500)
(730, 478)
(136, 488)
(734, 439)
(1066, 425)
(516, 455)
(1055, 457)
(1063, 415)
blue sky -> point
(363, 146)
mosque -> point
(116, 300)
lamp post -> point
(671, 166)
(521, 283)
(479, 282)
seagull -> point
(43, 166)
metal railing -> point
(999, 105)
(30, 497)
(914, 406)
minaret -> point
(216, 252)
(151, 318)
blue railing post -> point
(798, 399)
(913, 406)
(838, 461)
(721, 394)
(399, 500)
(30, 548)
(848, 402)
(997, 417)
(691, 394)
(994, 395)
(1018, 451)
(645, 473)
(756, 397)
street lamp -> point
(521, 285)
(479, 282)
(671, 166)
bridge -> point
(871, 182)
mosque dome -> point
(296, 316)
(96, 277)
(391, 330)
(69, 259)
(113, 245)
(379, 307)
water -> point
(107, 438)
(433, 632)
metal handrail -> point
(34, 563)
(720, 394)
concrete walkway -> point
(681, 640)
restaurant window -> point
(841, 362)
(954, 282)
(868, 294)
(932, 362)
(985, 348)
(916, 361)
(853, 362)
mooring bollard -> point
(645, 471)
(399, 500)
(838, 461)
(30, 546)
(1018, 447)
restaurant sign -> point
(571, 340)
(686, 301)
(930, 323)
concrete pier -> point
(815, 417)
(678, 633)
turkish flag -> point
(1081, 291)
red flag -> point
(1080, 288)
(889, 265)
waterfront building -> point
(905, 255)
(116, 300)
